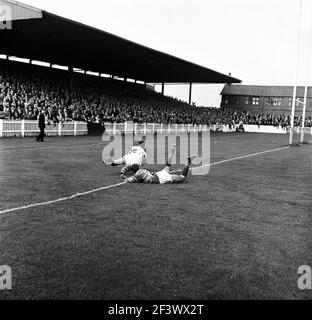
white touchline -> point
(79, 194)
(236, 158)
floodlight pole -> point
(292, 120)
(190, 94)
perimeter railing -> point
(24, 128)
(29, 128)
(145, 128)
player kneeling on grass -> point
(136, 156)
(161, 177)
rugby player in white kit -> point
(136, 156)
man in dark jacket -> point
(41, 124)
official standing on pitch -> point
(41, 124)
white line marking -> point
(56, 147)
(236, 158)
(79, 194)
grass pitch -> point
(240, 232)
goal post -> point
(296, 101)
(303, 113)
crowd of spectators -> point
(25, 90)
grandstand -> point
(25, 88)
(71, 229)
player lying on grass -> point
(161, 177)
(137, 155)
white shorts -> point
(164, 176)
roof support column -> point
(70, 74)
(190, 94)
(162, 88)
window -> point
(255, 101)
(269, 101)
(246, 100)
(226, 100)
(277, 101)
(289, 102)
(273, 101)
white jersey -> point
(137, 155)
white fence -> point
(137, 128)
(264, 129)
(26, 128)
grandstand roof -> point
(264, 91)
(40, 35)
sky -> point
(254, 40)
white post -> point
(303, 113)
(182, 128)
(145, 128)
(114, 128)
(176, 128)
(189, 127)
(135, 128)
(161, 128)
(125, 127)
(194, 127)
(75, 128)
(1, 128)
(306, 84)
(23, 128)
(60, 129)
(153, 127)
(295, 84)
(168, 130)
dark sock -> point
(185, 171)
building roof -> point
(40, 35)
(264, 91)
